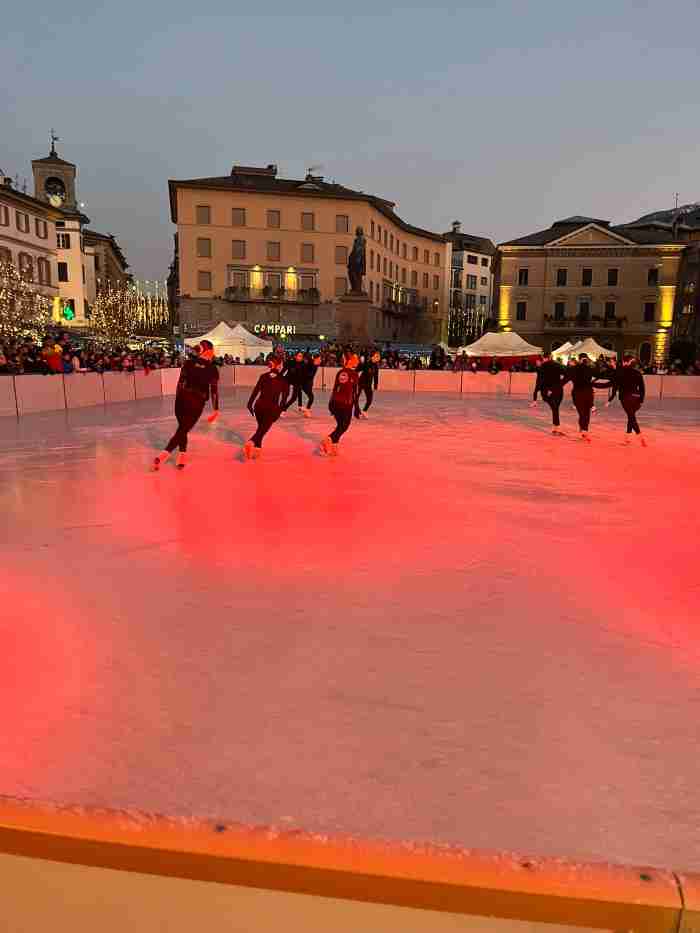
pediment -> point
(592, 235)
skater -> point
(629, 385)
(583, 378)
(342, 403)
(311, 365)
(551, 377)
(368, 382)
(199, 380)
(271, 392)
(293, 373)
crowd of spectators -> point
(62, 353)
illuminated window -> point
(274, 219)
(203, 248)
(203, 213)
(307, 252)
(238, 218)
(238, 249)
(204, 281)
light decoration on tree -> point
(23, 310)
(123, 312)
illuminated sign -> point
(282, 329)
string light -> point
(122, 312)
(23, 310)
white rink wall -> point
(24, 395)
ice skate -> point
(248, 450)
(305, 412)
(160, 459)
(556, 432)
(326, 446)
(181, 461)
(585, 437)
(257, 451)
(642, 441)
(334, 450)
(363, 414)
(300, 410)
(283, 413)
(628, 440)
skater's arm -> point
(601, 383)
(283, 401)
(214, 389)
(538, 386)
(254, 394)
(376, 378)
(642, 388)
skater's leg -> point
(584, 402)
(369, 393)
(265, 418)
(295, 396)
(343, 418)
(188, 414)
(632, 404)
(310, 394)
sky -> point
(506, 115)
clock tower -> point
(54, 180)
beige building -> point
(110, 265)
(28, 237)
(583, 277)
(261, 250)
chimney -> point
(456, 226)
(6, 181)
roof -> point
(257, 181)
(467, 241)
(29, 201)
(91, 236)
(564, 227)
(687, 215)
(52, 159)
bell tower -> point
(54, 179)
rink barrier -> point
(79, 870)
(27, 394)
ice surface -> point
(462, 631)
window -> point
(484, 280)
(472, 260)
(44, 271)
(414, 254)
(485, 263)
(584, 310)
(371, 259)
(586, 277)
(436, 282)
(649, 310)
(238, 218)
(203, 248)
(559, 310)
(239, 280)
(22, 221)
(436, 259)
(386, 238)
(426, 280)
(426, 256)
(391, 269)
(273, 280)
(523, 276)
(97, 263)
(562, 278)
(371, 291)
(341, 255)
(342, 223)
(204, 281)
(414, 278)
(403, 276)
(63, 240)
(482, 299)
(404, 251)
(340, 286)
(273, 252)
(5, 254)
(385, 266)
(63, 272)
(274, 219)
(372, 229)
(653, 276)
(521, 311)
(471, 281)
(613, 276)
(4, 216)
(26, 266)
(609, 310)
(391, 242)
(238, 249)
(42, 229)
(379, 232)
(307, 252)
(307, 221)
(306, 282)
(203, 214)
(83, 275)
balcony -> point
(309, 296)
(400, 309)
(611, 325)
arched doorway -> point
(645, 353)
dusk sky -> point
(504, 115)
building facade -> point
(109, 264)
(28, 237)
(471, 285)
(261, 250)
(583, 277)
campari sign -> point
(278, 330)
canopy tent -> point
(503, 344)
(236, 341)
(564, 350)
(591, 348)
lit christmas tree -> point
(23, 310)
(120, 314)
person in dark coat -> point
(266, 404)
(342, 403)
(311, 365)
(551, 377)
(583, 378)
(368, 382)
(629, 385)
(294, 373)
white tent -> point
(504, 344)
(236, 341)
(593, 349)
(564, 350)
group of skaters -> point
(290, 382)
(625, 381)
(284, 384)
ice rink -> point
(460, 630)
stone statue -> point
(357, 266)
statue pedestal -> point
(352, 318)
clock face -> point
(54, 188)
(55, 200)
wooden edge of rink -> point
(426, 877)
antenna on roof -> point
(676, 200)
